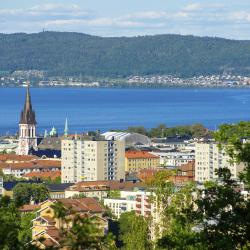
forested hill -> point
(61, 53)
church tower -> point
(27, 127)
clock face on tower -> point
(23, 143)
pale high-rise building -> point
(27, 127)
(92, 159)
(208, 158)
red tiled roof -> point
(140, 155)
(104, 185)
(82, 205)
(49, 243)
(34, 164)
(3, 165)
(49, 219)
(53, 232)
(190, 166)
(148, 174)
(13, 157)
(44, 175)
(29, 208)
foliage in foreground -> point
(134, 232)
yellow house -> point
(137, 160)
(46, 228)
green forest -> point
(74, 54)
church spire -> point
(28, 115)
(66, 129)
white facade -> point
(174, 159)
(19, 172)
(8, 145)
(89, 160)
(208, 158)
(127, 202)
(27, 138)
(119, 206)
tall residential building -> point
(92, 159)
(208, 158)
(27, 127)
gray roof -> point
(129, 138)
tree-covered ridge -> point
(64, 53)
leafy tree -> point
(39, 192)
(82, 231)
(234, 138)
(24, 193)
(85, 234)
(222, 215)
(75, 54)
(140, 130)
(134, 232)
(198, 130)
(15, 231)
(159, 131)
(114, 194)
(9, 221)
(25, 231)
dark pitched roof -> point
(60, 187)
(11, 184)
(28, 116)
(52, 143)
(49, 153)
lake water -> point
(104, 109)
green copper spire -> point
(66, 129)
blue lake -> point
(104, 109)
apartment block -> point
(137, 160)
(208, 158)
(87, 159)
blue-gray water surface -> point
(105, 109)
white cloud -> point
(240, 16)
(200, 18)
(193, 7)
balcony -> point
(138, 206)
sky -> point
(221, 18)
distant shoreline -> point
(135, 87)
